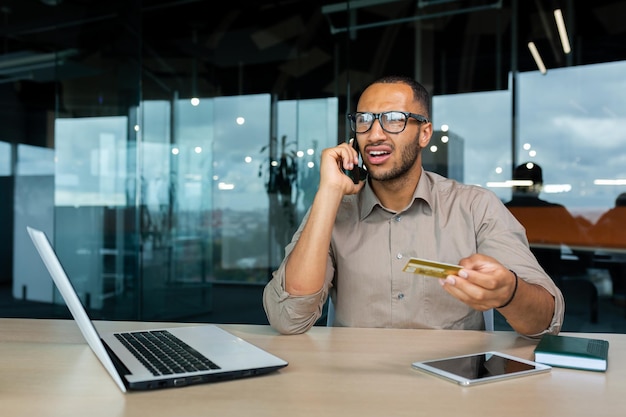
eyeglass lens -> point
(391, 121)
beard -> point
(408, 160)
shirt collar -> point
(368, 199)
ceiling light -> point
(535, 53)
(560, 24)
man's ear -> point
(426, 133)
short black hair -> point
(529, 171)
(420, 94)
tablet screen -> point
(480, 367)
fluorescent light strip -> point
(547, 188)
(498, 184)
(620, 181)
(554, 188)
(557, 188)
(510, 183)
(535, 53)
(560, 24)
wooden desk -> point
(46, 369)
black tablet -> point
(478, 368)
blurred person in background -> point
(548, 225)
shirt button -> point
(399, 256)
(397, 218)
(400, 296)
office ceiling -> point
(297, 48)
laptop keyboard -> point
(163, 353)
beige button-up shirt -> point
(370, 246)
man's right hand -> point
(332, 165)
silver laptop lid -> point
(72, 301)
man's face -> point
(389, 156)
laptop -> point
(210, 353)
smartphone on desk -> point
(358, 173)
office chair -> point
(330, 316)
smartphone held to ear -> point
(358, 173)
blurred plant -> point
(283, 169)
(282, 188)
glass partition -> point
(218, 198)
(576, 133)
(5, 159)
(481, 124)
(33, 205)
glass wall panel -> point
(221, 196)
(5, 159)
(89, 187)
(305, 127)
(33, 206)
(242, 129)
(479, 123)
(575, 133)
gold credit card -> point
(430, 268)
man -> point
(548, 225)
(356, 238)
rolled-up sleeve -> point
(290, 314)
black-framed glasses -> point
(391, 121)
